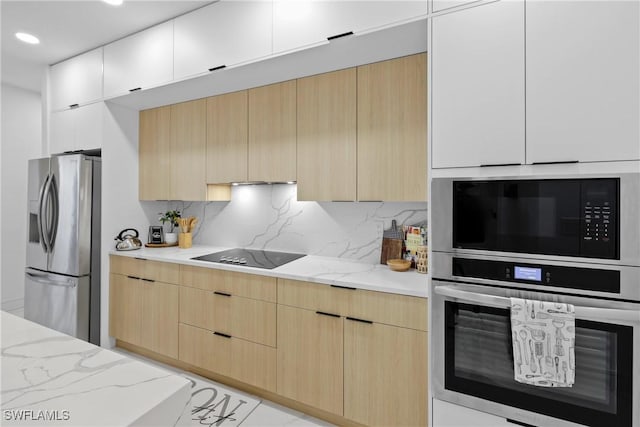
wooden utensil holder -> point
(184, 240)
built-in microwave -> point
(586, 218)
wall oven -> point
(530, 239)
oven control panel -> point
(599, 225)
(589, 279)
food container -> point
(399, 264)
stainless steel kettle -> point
(128, 241)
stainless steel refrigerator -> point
(62, 278)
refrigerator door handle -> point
(55, 209)
(47, 279)
(41, 213)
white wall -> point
(21, 140)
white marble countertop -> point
(311, 268)
(49, 378)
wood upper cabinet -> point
(227, 129)
(326, 151)
(392, 130)
(310, 352)
(154, 158)
(140, 61)
(188, 147)
(478, 66)
(225, 33)
(76, 81)
(272, 133)
(583, 90)
(385, 374)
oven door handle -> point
(609, 315)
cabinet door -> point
(272, 133)
(77, 80)
(302, 23)
(326, 150)
(392, 130)
(62, 133)
(583, 90)
(88, 126)
(227, 138)
(225, 33)
(159, 317)
(310, 358)
(125, 308)
(188, 147)
(154, 159)
(385, 374)
(140, 61)
(478, 86)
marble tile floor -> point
(248, 410)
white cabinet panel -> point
(77, 80)
(299, 23)
(582, 82)
(439, 5)
(225, 33)
(142, 60)
(477, 86)
(446, 414)
(77, 129)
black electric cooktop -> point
(251, 258)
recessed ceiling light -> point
(27, 38)
(113, 2)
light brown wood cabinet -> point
(231, 282)
(154, 154)
(385, 374)
(392, 124)
(272, 133)
(172, 146)
(326, 152)
(371, 348)
(310, 352)
(144, 312)
(227, 138)
(144, 268)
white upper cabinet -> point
(77, 128)
(76, 81)
(439, 5)
(300, 23)
(140, 61)
(477, 86)
(582, 81)
(222, 34)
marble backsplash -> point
(270, 217)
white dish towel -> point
(543, 335)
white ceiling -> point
(68, 28)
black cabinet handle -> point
(500, 164)
(343, 287)
(555, 163)
(222, 293)
(355, 319)
(219, 67)
(74, 106)
(135, 89)
(147, 280)
(322, 313)
(133, 277)
(220, 334)
(519, 423)
(141, 259)
(337, 36)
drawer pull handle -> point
(327, 314)
(222, 293)
(499, 164)
(141, 259)
(337, 36)
(360, 320)
(219, 67)
(133, 277)
(148, 280)
(74, 106)
(343, 287)
(135, 89)
(220, 334)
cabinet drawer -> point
(245, 318)
(145, 269)
(230, 282)
(380, 307)
(245, 361)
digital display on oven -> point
(528, 273)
